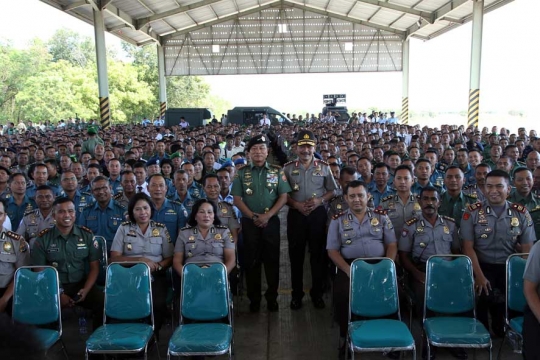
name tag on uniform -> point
(81, 247)
(91, 218)
(50, 250)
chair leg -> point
(428, 349)
(414, 353)
(501, 346)
(64, 349)
(490, 352)
(156, 344)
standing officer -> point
(260, 191)
(14, 253)
(454, 201)
(34, 221)
(358, 232)
(523, 195)
(313, 186)
(490, 231)
(73, 252)
(338, 205)
(105, 215)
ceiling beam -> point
(120, 15)
(437, 15)
(145, 21)
(345, 18)
(217, 21)
(404, 9)
(74, 5)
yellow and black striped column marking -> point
(405, 111)
(162, 108)
(104, 111)
(474, 107)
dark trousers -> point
(494, 302)
(9, 305)
(309, 229)
(531, 336)
(341, 301)
(94, 301)
(261, 246)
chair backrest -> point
(449, 284)
(205, 292)
(104, 261)
(373, 290)
(515, 267)
(36, 297)
(128, 291)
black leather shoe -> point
(318, 303)
(273, 306)
(296, 304)
(254, 307)
(458, 353)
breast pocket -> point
(392, 213)
(317, 180)
(81, 252)
(155, 245)
(217, 249)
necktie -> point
(139, 189)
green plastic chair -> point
(374, 296)
(515, 300)
(36, 301)
(450, 292)
(128, 301)
(205, 300)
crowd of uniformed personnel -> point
(168, 196)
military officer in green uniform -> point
(490, 231)
(34, 221)
(523, 195)
(454, 201)
(313, 186)
(358, 232)
(338, 205)
(260, 191)
(14, 253)
(403, 205)
(73, 252)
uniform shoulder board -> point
(186, 227)
(221, 226)
(126, 223)
(380, 211)
(322, 162)
(90, 205)
(275, 166)
(118, 204)
(338, 215)
(518, 207)
(176, 202)
(14, 235)
(43, 232)
(387, 198)
(288, 163)
(30, 211)
(411, 221)
(448, 218)
(85, 228)
(241, 167)
(475, 206)
(537, 208)
(471, 196)
(159, 224)
(117, 196)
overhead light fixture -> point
(419, 22)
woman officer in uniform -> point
(204, 239)
(142, 239)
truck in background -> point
(194, 116)
(330, 102)
(253, 114)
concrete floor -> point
(305, 334)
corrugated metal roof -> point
(278, 34)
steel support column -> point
(101, 57)
(476, 63)
(405, 83)
(162, 81)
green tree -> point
(70, 46)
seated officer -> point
(359, 232)
(71, 250)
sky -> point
(439, 70)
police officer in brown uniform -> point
(313, 186)
(14, 253)
(490, 231)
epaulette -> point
(126, 223)
(85, 228)
(475, 206)
(380, 211)
(43, 232)
(241, 167)
(448, 218)
(411, 221)
(472, 196)
(387, 198)
(288, 163)
(14, 235)
(159, 224)
(118, 196)
(91, 205)
(335, 216)
(227, 202)
(30, 212)
(275, 166)
(186, 227)
(537, 208)
(89, 194)
(520, 208)
(322, 162)
(176, 202)
(221, 226)
(117, 203)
